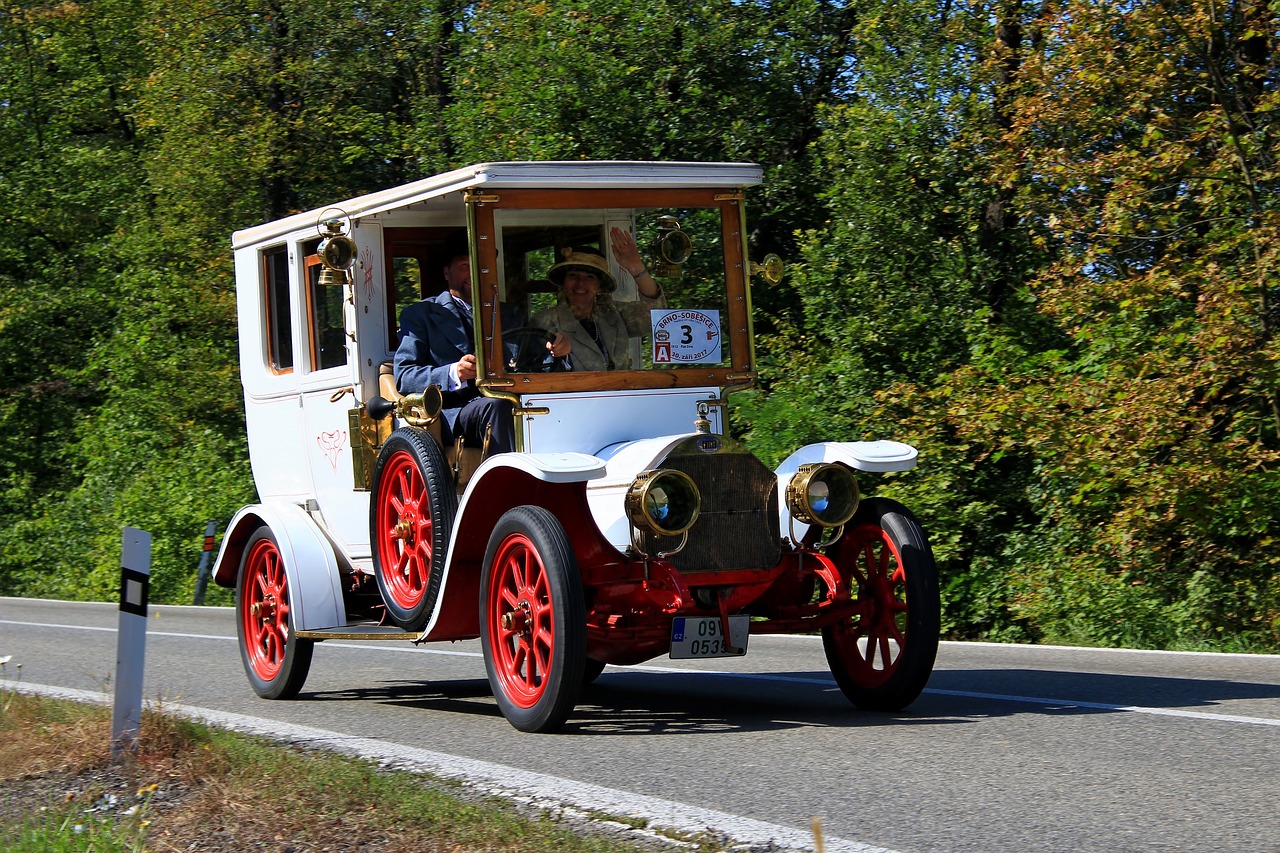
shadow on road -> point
(625, 701)
(1088, 693)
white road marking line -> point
(1105, 706)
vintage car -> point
(626, 524)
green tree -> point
(68, 181)
(1143, 148)
(918, 256)
(1156, 180)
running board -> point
(358, 632)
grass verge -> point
(188, 787)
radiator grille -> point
(738, 525)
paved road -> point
(1012, 748)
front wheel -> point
(533, 624)
(275, 659)
(883, 655)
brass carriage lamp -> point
(337, 251)
(770, 268)
(672, 247)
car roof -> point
(540, 174)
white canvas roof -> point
(568, 174)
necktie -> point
(464, 314)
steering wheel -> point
(526, 351)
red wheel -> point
(533, 621)
(883, 655)
(410, 518)
(276, 661)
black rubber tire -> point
(411, 512)
(275, 659)
(592, 670)
(884, 557)
(533, 623)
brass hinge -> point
(473, 197)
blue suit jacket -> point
(432, 337)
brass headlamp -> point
(823, 493)
(664, 502)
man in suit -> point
(436, 348)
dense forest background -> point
(1039, 240)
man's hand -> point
(467, 368)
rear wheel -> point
(883, 655)
(276, 661)
(410, 518)
(532, 620)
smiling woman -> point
(587, 327)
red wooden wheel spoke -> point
(862, 564)
(266, 614)
(533, 630)
(872, 637)
(525, 648)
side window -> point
(407, 283)
(324, 309)
(279, 318)
(414, 269)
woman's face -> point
(580, 288)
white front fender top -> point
(859, 455)
(502, 481)
(310, 563)
(872, 456)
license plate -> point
(703, 637)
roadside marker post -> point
(202, 573)
(131, 638)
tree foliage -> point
(1037, 240)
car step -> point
(359, 631)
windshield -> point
(653, 288)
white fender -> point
(628, 458)
(493, 487)
(310, 563)
(550, 467)
(872, 456)
(624, 461)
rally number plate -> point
(703, 637)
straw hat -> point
(587, 260)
